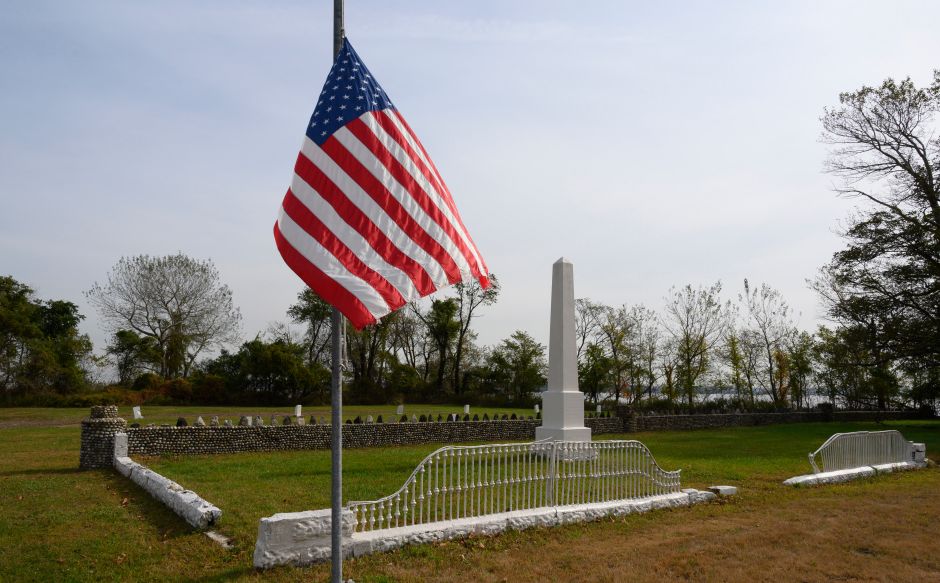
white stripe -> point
(330, 265)
(352, 238)
(374, 212)
(395, 117)
(401, 194)
(403, 158)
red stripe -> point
(314, 227)
(392, 130)
(394, 167)
(439, 181)
(377, 191)
(355, 218)
(323, 285)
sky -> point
(652, 144)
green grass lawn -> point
(62, 524)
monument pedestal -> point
(563, 417)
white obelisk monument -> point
(562, 402)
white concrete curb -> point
(840, 476)
(186, 503)
(302, 538)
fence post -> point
(551, 474)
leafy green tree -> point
(442, 327)
(884, 287)
(369, 358)
(41, 348)
(800, 357)
(268, 372)
(518, 365)
(850, 371)
(594, 372)
(132, 354)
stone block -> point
(919, 453)
(724, 490)
(299, 538)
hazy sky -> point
(653, 144)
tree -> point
(314, 314)
(368, 354)
(270, 372)
(132, 354)
(470, 296)
(800, 356)
(695, 318)
(647, 343)
(848, 371)
(41, 348)
(586, 323)
(594, 372)
(442, 327)
(771, 326)
(886, 282)
(177, 301)
(614, 331)
(519, 365)
(411, 342)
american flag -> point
(368, 222)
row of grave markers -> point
(298, 413)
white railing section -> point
(861, 448)
(468, 481)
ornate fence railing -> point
(861, 448)
(469, 481)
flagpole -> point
(336, 385)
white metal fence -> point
(468, 481)
(861, 448)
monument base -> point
(567, 434)
(563, 433)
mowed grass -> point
(62, 524)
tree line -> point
(174, 330)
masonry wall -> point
(207, 440)
(98, 432)
(685, 422)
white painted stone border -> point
(303, 538)
(850, 474)
(194, 510)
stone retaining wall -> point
(98, 432)
(712, 420)
(208, 440)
